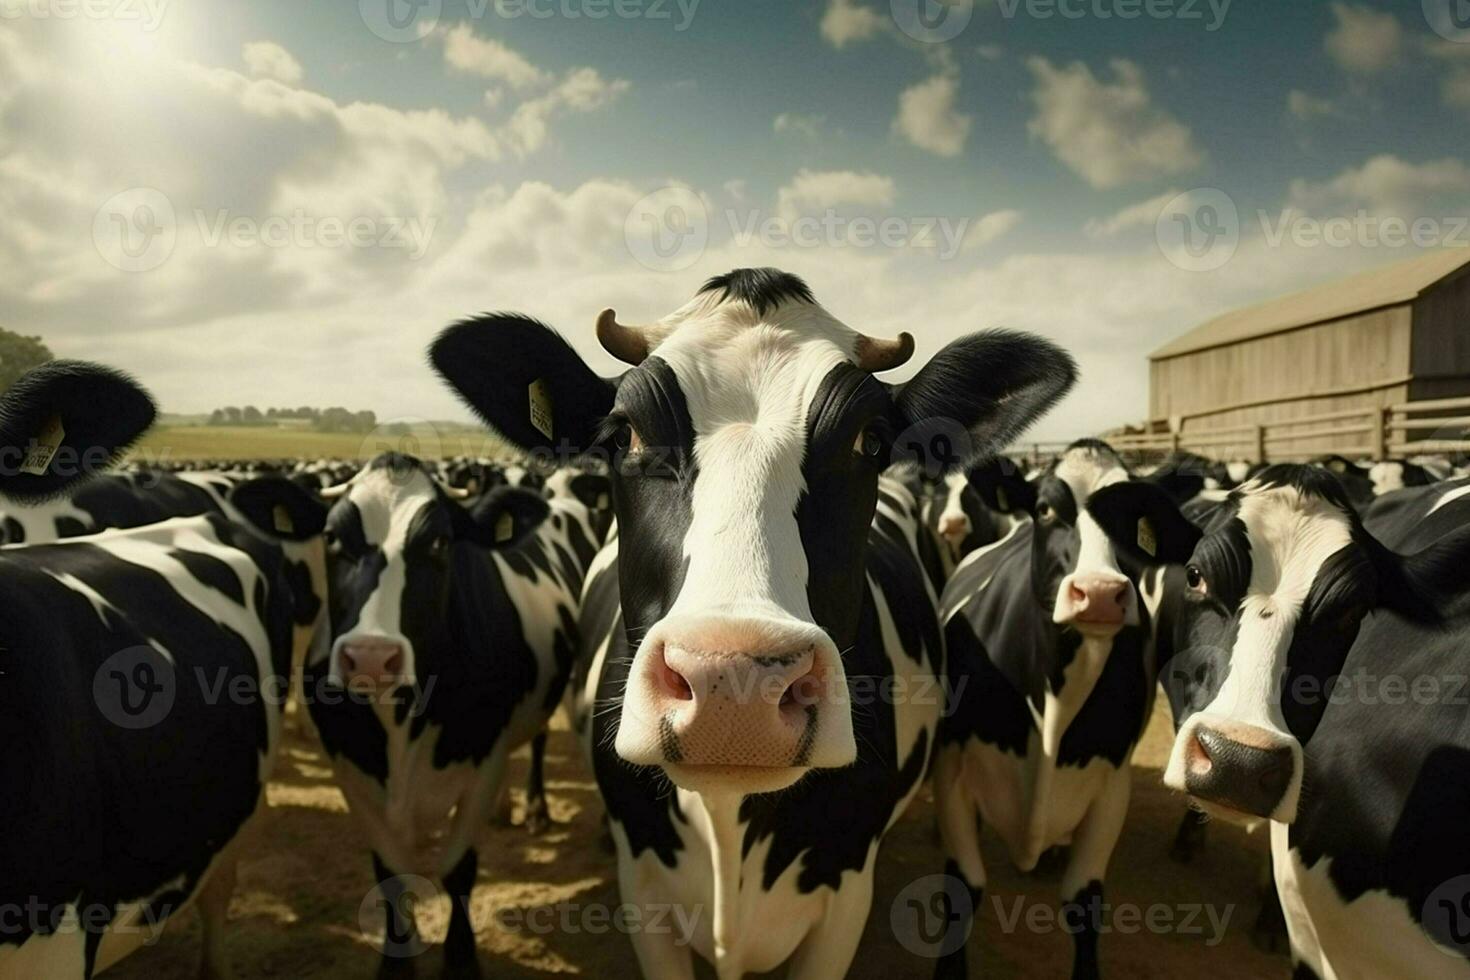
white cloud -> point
(991, 228)
(1144, 214)
(845, 22)
(927, 117)
(818, 190)
(583, 90)
(1387, 185)
(267, 59)
(493, 98)
(991, 52)
(486, 57)
(1108, 133)
(795, 122)
(1306, 106)
(1364, 40)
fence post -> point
(1380, 433)
(1260, 436)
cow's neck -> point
(722, 810)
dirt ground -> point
(307, 878)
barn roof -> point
(1388, 285)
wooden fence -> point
(1398, 431)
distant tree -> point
(232, 415)
(217, 417)
(364, 421)
(18, 354)
(272, 413)
(250, 415)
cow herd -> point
(777, 597)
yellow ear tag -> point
(1001, 500)
(541, 406)
(43, 448)
(1146, 540)
(603, 501)
(281, 518)
(505, 528)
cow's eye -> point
(333, 543)
(628, 439)
(1195, 579)
(868, 444)
(1044, 511)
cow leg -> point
(460, 959)
(400, 934)
(1189, 840)
(538, 815)
(1082, 890)
(964, 869)
(827, 951)
(214, 909)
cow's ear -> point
(1144, 523)
(65, 422)
(524, 381)
(505, 517)
(281, 508)
(1002, 486)
(977, 395)
(1178, 482)
(1427, 586)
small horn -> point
(627, 344)
(455, 493)
(875, 355)
(332, 493)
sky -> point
(281, 203)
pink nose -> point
(954, 527)
(737, 708)
(1099, 600)
(373, 661)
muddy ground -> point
(306, 877)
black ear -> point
(64, 422)
(593, 489)
(506, 516)
(1144, 523)
(1427, 586)
(977, 395)
(280, 507)
(1177, 482)
(1002, 486)
(523, 380)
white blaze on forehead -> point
(954, 489)
(749, 383)
(387, 503)
(1291, 535)
(1086, 471)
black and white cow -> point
(142, 677)
(954, 508)
(458, 628)
(764, 594)
(1052, 668)
(110, 500)
(1319, 682)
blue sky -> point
(518, 149)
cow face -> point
(958, 515)
(1274, 595)
(1075, 575)
(746, 445)
(395, 540)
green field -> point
(168, 443)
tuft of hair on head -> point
(762, 289)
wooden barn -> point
(1376, 365)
